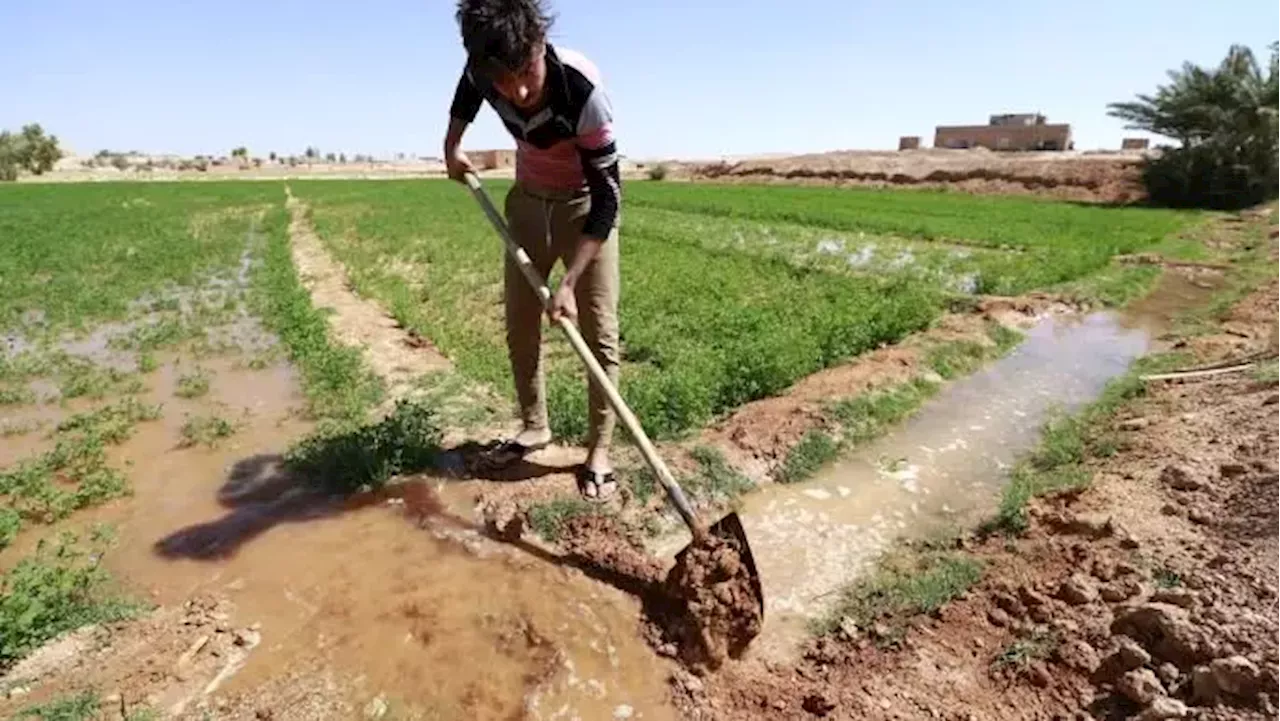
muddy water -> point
(415, 604)
(943, 468)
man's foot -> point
(596, 480)
(596, 485)
(509, 451)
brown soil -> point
(1104, 178)
(703, 611)
(723, 612)
(1150, 595)
(171, 660)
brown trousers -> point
(548, 225)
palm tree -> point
(1225, 119)
(1234, 98)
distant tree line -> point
(1225, 119)
(33, 151)
(29, 149)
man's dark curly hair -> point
(501, 34)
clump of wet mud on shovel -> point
(702, 611)
(721, 612)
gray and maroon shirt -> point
(569, 144)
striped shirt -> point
(569, 143)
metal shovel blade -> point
(730, 529)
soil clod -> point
(723, 613)
(1140, 686)
(702, 612)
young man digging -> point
(564, 206)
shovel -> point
(728, 528)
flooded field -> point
(238, 434)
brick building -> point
(1135, 143)
(1011, 131)
(492, 159)
(909, 142)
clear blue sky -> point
(699, 79)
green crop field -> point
(76, 254)
(729, 293)
(1043, 243)
(986, 220)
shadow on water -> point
(261, 492)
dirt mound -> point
(1110, 179)
(601, 541)
(702, 611)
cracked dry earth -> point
(1150, 595)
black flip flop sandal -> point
(504, 453)
(592, 485)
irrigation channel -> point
(400, 592)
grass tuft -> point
(84, 706)
(1267, 372)
(1166, 577)
(84, 379)
(10, 525)
(147, 362)
(716, 480)
(208, 431)
(548, 519)
(905, 584)
(193, 384)
(112, 423)
(814, 450)
(1036, 645)
(348, 460)
(865, 417)
(16, 396)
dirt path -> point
(394, 354)
(404, 360)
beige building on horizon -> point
(1008, 131)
